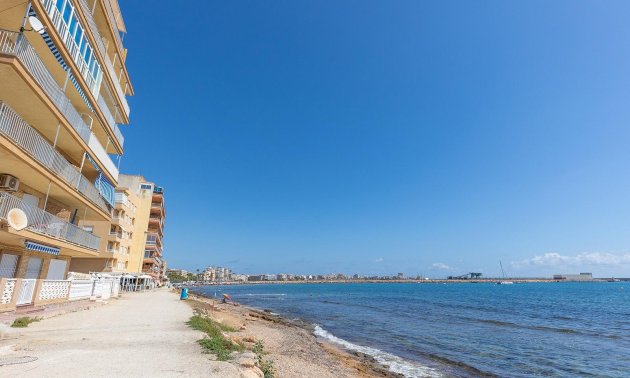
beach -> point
(145, 335)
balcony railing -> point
(61, 27)
(42, 222)
(21, 133)
(111, 120)
(12, 43)
(103, 50)
(113, 22)
(93, 82)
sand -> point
(145, 335)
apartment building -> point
(115, 248)
(148, 233)
(63, 89)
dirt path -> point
(137, 335)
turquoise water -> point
(522, 330)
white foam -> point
(395, 363)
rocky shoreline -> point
(291, 345)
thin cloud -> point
(553, 259)
(440, 266)
(380, 259)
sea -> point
(462, 329)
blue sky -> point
(384, 136)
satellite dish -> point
(36, 24)
(17, 219)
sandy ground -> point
(145, 335)
(294, 350)
(137, 335)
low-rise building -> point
(574, 277)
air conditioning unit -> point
(9, 183)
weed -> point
(265, 364)
(215, 342)
(23, 322)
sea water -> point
(432, 330)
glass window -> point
(82, 46)
(60, 5)
(88, 54)
(77, 37)
(67, 12)
(73, 25)
(95, 70)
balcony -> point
(19, 47)
(13, 127)
(44, 223)
(94, 83)
(103, 51)
(62, 29)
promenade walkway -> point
(137, 335)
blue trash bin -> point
(184, 294)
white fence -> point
(26, 293)
(54, 289)
(81, 289)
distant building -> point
(180, 272)
(216, 274)
(573, 277)
(401, 276)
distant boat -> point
(504, 282)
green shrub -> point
(266, 365)
(23, 322)
(215, 342)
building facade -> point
(62, 97)
(146, 244)
(63, 89)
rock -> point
(251, 355)
(249, 339)
(252, 373)
(247, 362)
(243, 328)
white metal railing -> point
(13, 44)
(113, 21)
(54, 289)
(46, 223)
(55, 15)
(21, 133)
(62, 29)
(26, 291)
(111, 120)
(103, 50)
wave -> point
(394, 363)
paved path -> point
(137, 335)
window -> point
(89, 229)
(33, 268)
(67, 12)
(60, 5)
(77, 37)
(88, 54)
(73, 24)
(8, 265)
(56, 270)
(145, 187)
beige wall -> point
(142, 200)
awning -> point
(42, 248)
